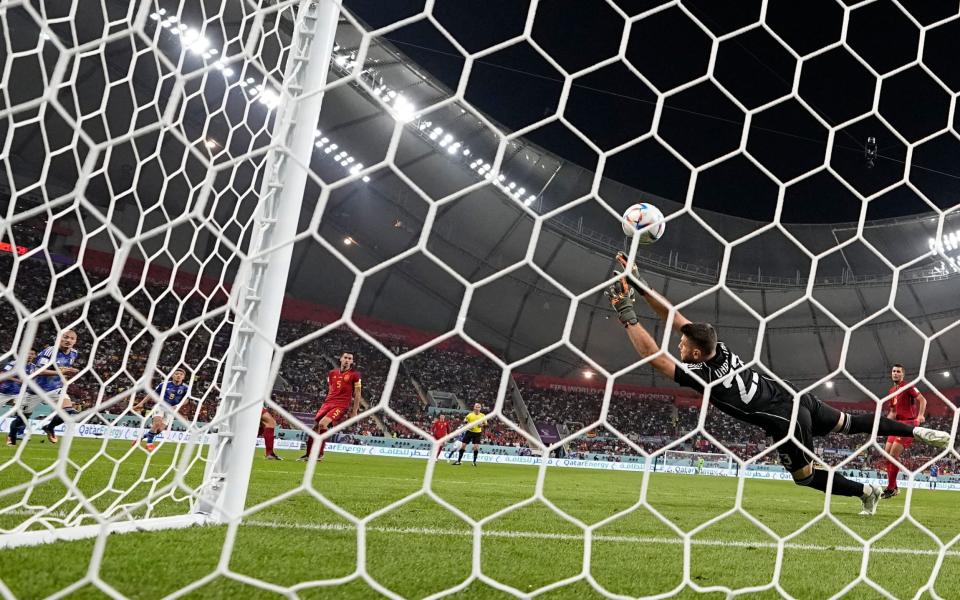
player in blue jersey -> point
(10, 386)
(54, 368)
(457, 444)
(173, 394)
(934, 472)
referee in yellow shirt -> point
(473, 435)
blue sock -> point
(149, 437)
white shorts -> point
(31, 401)
(158, 410)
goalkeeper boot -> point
(871, 500)
(933, 437)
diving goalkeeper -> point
(745, 394)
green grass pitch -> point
(420, 548)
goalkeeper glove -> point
(621, 298)
(632, 275)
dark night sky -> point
(516, 86)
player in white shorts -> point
(173, 393)
(47, 385)
(10, 386)
(53, 365)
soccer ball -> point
(638, 217)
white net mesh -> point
(151, 154)
(697, 461)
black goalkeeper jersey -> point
(741, 393)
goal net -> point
(694, 462)
(215, 214)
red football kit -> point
(267, 433)
(340, 388)
(440, 428)
(907, 409)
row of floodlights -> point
(342, 156)
(948, 241)
(405, 110)
(484, 169)
(191, 39)
(402, 106)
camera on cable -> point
(644, 220)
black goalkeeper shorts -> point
(814, 419)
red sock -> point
(323, 445)
(439, 451)
(309, 445)
(892, 471)
(268, 440)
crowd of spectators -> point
(456, 369)
(115, 345)
(610, 449)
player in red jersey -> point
(343, 384)
(268, 428)
(440, 428)
(907, 406)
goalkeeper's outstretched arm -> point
(622, 298)
(658, 303)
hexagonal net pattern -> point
(163, 162)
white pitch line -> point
(630, 539)
(539, 535)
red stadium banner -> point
(21, 250)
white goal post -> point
(257, 292)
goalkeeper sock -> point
(460, 455)
(475, 453)
(841, 485)
(864, 424)
(268, 440)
